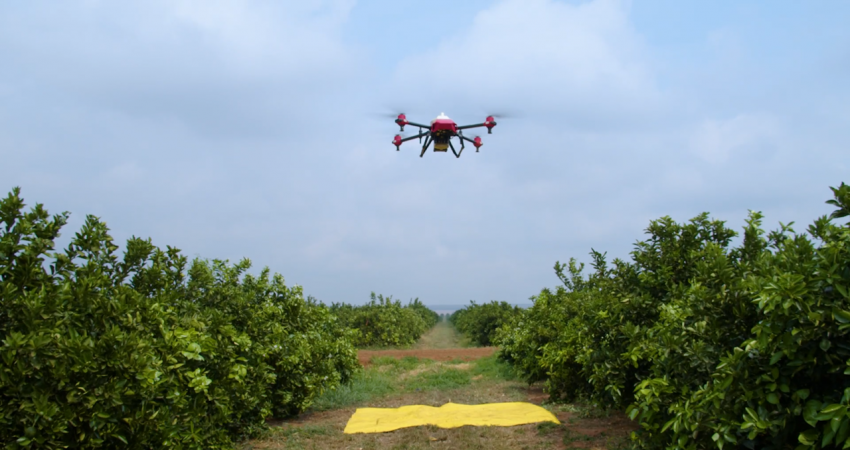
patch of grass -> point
(442, 335)
(544, 428)
(305, 431)
(571, 436)
(366, 385)
(492, 368)
(584, 411)
(441, 379)
(381, 379)
(405, 363)
(619, 443)
(292, 437)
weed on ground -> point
(387, 376)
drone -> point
(440, 132)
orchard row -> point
(708, 339)
(148, 350)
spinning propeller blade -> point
(505, 115)
(385, 115)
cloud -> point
(236, 130)
(583, 61)
(716, 141)
(218, 68)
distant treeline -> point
(385, 322)
(480, 322)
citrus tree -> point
(145, 350)
(707, 344)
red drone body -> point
(440, 132)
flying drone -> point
(440, 132)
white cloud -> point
(125, 173)
(562, 58)
(216, 67)
(298, 35)
(234, 129)
(716, 141)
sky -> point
(257, 129)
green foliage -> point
(480, 322)
(841, 201)
(707, 344)
(140, 352)
(428, 316)
(385, 322)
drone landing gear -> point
(425, 147)
(474, 142)
(457, 154)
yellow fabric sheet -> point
(450, 415)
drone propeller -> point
(386, 115)
(476, 141)
(508, 113)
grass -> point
(492, 368)
(442, 335)
(388, 376)
(583, 410)
(365, 386)
(545, 428)
(442, 378)
(290, 437)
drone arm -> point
(414, 124)
(472, 126)
(476, 142)
(420, 135)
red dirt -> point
(587, 432)
(446, 354)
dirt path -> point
(442, 354)
(442, 335)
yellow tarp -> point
(450, 415)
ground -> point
(442, 354)
(439, 369)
